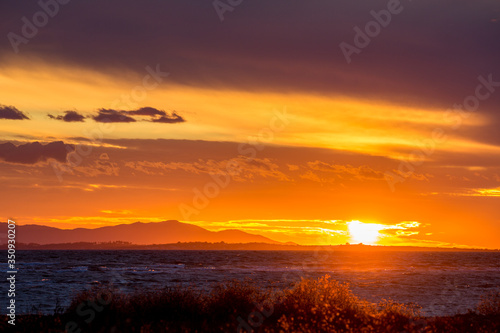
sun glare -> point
(366, 233)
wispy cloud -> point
(245, 169)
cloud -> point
(405, 62)
(169, 119)
(69, 116)
(402, 65)
(99, 167)
(33, 152)
(239, 168)
(147, 111)
(122, 116)
(10, 112)
(403, 229)
(164, 117)
(112, 116)
(362, 172)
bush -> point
(321, 305)
(490, 304)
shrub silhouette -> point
(310, 305)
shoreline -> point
(222, 246)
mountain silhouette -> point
(137, 233)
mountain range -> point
(136, 233)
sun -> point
(366, 233)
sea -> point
(442, 283)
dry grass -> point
(321, 305)
(490, 304)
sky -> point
(313, 122)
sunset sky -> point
(253, 118)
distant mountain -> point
(136, 233)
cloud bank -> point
(31, 153)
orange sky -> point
(286, 178)
(296, 149)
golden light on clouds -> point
(343, 147)
(338, 122)
(142, 134)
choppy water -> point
(441, 282)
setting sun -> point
(366, 233)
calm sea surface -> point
(441, 282)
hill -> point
(136, 233)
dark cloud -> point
(10, 112)
(69, 116)
(429, 55)
(147, 111)
(31, 153)
(169, 119)
(282, 45)
(121, 116)
(112, 116)
(193, 150)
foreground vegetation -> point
(321, 305)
